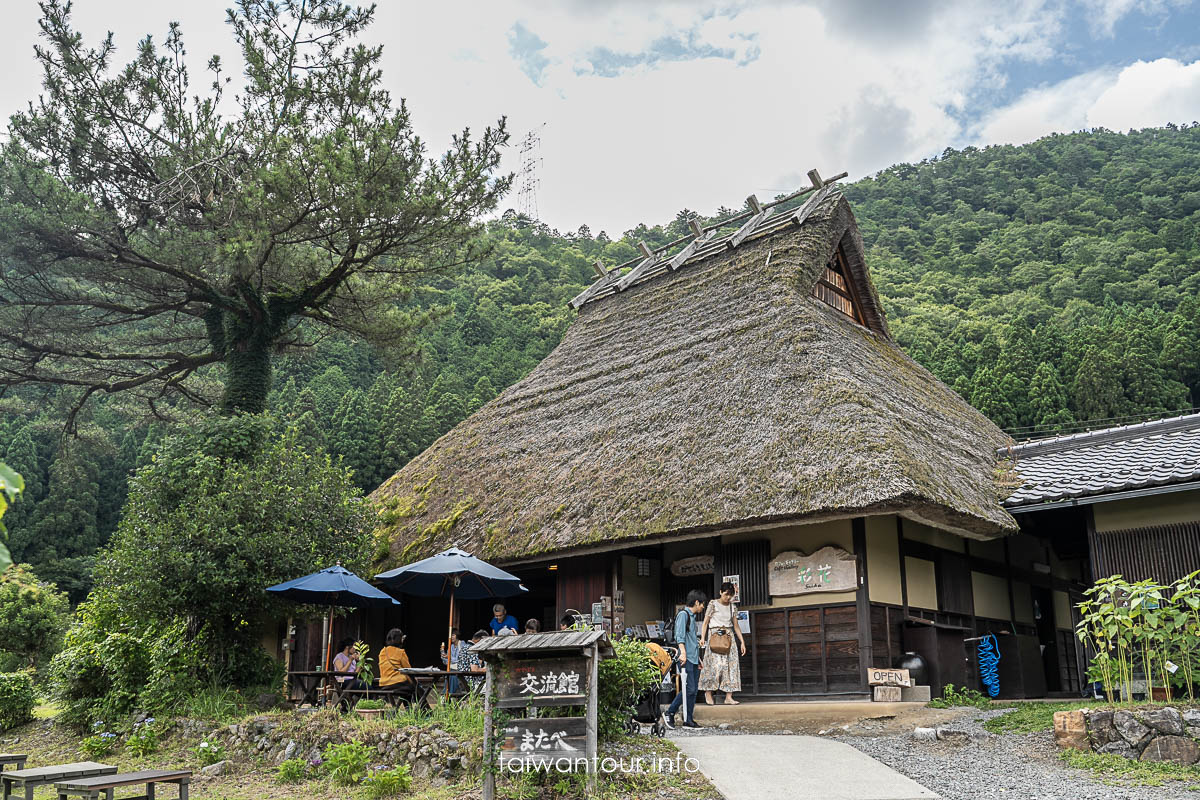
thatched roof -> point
(716, 396)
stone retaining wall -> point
(1151, 734)
(434, 755)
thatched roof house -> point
(755, 384)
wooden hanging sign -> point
(560, 681)
(543, 740)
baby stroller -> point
(648, 710)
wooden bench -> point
(16, 759)
(391, 695)
(39, 776)
(92, 788)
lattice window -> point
(834, 289)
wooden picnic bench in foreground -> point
(27, 779)
(16, 760)
(92, 788)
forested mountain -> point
(1050, 284)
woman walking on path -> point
(720, 670)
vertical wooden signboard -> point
(537, 671)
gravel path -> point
(1009, 766)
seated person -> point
(502, 620)
(392, 659)
(450, 660)
(532, 626)
(470, 662)
(346, 660)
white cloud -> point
(1141, 95)
(1149, 93)
(653, 107)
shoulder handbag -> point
(720, 642)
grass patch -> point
(1030, 717)
(462, 717)
(46, 711)
(953, 697)
(1114, 769)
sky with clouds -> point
(646, 107)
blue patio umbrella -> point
(452, 573)
(335, 586)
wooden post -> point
(866, 647)
(598, 265)
(288, 644)
(489, 760)
(903, 572)
(450, 643)
(593, 716)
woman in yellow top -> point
(392, 659)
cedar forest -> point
(1053, 285)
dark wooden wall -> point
(1162, 553)
(812, 650)
(582, 581)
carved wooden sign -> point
(830, 569)
(696, 565)
(543, 740)
(558, 681)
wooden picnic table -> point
(15, 759)
(424, 680)
(92, 788)
(40, 776)
(312, 681)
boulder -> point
(1101, 729)
(951, 735)
(1163, 720)
(925, 734)
(1193, 731)
(1191, 717)
(219, 768)
(1178, 749)
(1118, 748)
(1070, 730)
(1135, 734)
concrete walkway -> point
(753, 767)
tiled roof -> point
(1148, 454)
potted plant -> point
(370, 708)
(366, 673)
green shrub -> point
(33, 617)
(108, 674)
(346, 764)
(209, 752)
(144, 739)
(293, 770)
(623, 678)
(99, 745)
(16, 699)
(954, 696)
(387, 782)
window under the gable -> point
(834, 289)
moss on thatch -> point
(716, 396)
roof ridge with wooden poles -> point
(703, 240)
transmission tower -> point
(527, 176)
